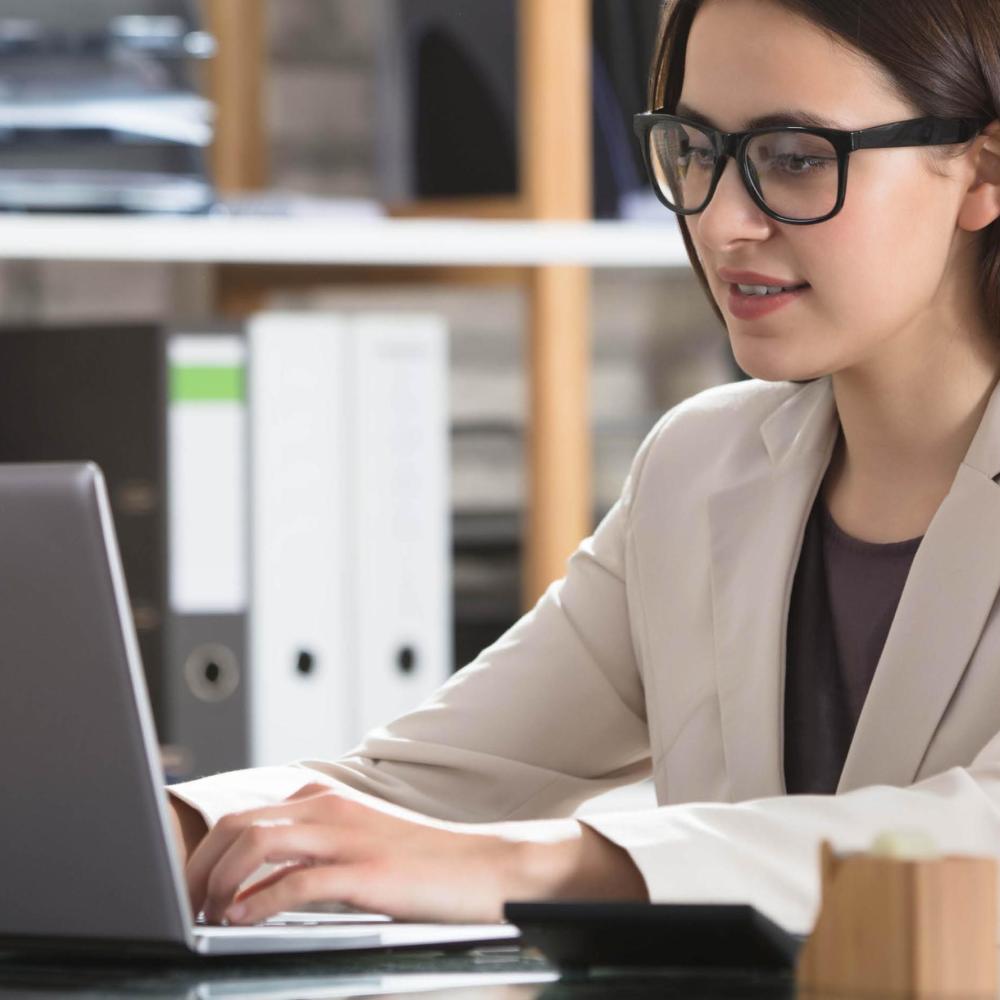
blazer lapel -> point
(756, 529)
(949, 592)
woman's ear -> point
(981, 204)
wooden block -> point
(895, 926)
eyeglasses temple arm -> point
(922, 132)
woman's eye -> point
(698, 156)
(801, 164)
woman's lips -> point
(755, 306)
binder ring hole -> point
(305, 663)
(212, 672)
(406, 660)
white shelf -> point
(246, 240)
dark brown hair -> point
(942, 55)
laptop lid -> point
(85, 841)
(86, 846)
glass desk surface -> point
(496, 973)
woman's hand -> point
(335, 849)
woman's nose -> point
(732, 215)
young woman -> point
(775, 541)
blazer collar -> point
(757, 528)
(802, 423)
(983, 455)
(946, 600)
(756, 531)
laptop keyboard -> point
(316, 918)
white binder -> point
(207, 545)
(350, 598)
(403, 513)
(301, 689)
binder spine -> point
(302, 684)
(208, 540)
(402, 508)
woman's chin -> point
(776, 369)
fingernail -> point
(236, 912)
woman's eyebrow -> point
(791, 116)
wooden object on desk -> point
(891, 926)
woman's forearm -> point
(584, 865)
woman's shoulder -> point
(736, 409)
(737, 400)
(716, 432)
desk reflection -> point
(291, 988)
(475, 975)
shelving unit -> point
(549, 252)
(335, 242)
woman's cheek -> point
(845, 264)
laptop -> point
(86, 848)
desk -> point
(480, 974)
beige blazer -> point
(662, 651)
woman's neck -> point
(906, 424)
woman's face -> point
(885, 287)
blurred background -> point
(335, 480)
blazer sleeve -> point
(551, 714)
(766, 851)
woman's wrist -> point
(189, 827)
(582, 865)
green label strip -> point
(207, 383)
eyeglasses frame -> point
(929, 131)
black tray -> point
(666, 935)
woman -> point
(721, 628)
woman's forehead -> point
(747, 58)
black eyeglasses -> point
(796, 174)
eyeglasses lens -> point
(795, 173)
(683, 161)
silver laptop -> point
(86, 853)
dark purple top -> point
(844, 597)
